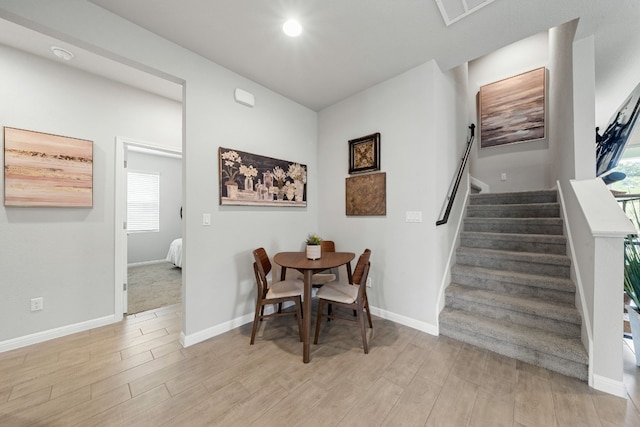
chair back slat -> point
(261, 267)
(327, 246)
(358, 273)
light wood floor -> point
(135, 373)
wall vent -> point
(454, 10)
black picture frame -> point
(364, 154)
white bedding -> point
(175, 253)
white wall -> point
(217, 273)
(66, 255)
(414, 113)
(153, 246)
(527, 164)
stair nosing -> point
(560, 283)
(543, 258)
(522, 304)
(500, 329)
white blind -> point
(143, 201)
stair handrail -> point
(451, 197)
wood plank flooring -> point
(135, 373)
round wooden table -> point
(299, 261)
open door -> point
(120, 296)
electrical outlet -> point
(503, 177)
(37, 304)
(368, 282)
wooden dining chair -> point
(276, 292)
(319, 279)
(352, 296)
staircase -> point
(510, 290)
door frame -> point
(123, 144)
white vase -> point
(314, 251)
(634, 320)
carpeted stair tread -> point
(532, 257)
(528, 305)
(527, 210)
(525, 279)
(547, 243)
(514, 225)
(521, 197)
(520, 335)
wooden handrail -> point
(451, 197)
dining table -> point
(308, 267)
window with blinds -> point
(143, 201)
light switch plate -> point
(413, 216)
(206, 219)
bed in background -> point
(175, 252)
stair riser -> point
(513, 198)
(514, 288)
(530, 267)
(547, 361)
(506, 226)
(514, 245)
(552, 325)
(508, 211)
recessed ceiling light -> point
(61, 53)
(292, 28)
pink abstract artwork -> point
(44, 170)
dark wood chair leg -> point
(366, 306)
(299, 316)
(256, 317)
(318, 320)
(363, 329)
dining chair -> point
(351, 296)
(276, 292)
(320, 279)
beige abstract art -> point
(44, 170)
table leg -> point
(306, 320)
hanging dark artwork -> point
(253, 180)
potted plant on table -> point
(313, 246)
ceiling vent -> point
(454, 10)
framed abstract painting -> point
(45, 170)
(513, 110)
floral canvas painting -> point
(252, 180)
(44, 170)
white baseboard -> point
(136, 264)
(610, 386)
(62, 331)
(191, 339)
(205, 334)
(406, 321)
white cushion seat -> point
(285, 288)
(339, 292)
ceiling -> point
(350, 45)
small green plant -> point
(313, 239)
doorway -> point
(149, 198)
